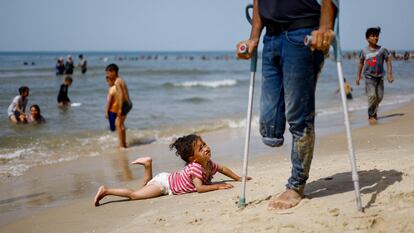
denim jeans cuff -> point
(273, 142)
(300, 190)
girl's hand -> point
(224, 186)
(247, 178)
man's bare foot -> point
(99, 195)
(286, 200)
(372, 121)
(143, 161)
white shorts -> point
(161, 180)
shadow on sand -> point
(390, 115)
(370, 182)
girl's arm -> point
(202, 188)
(229, 173)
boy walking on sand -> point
(124, 102)
(372, 64)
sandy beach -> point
(386, 171)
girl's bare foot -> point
(286, 200)
(146, 161)
(99, 195)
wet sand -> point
(59, 197)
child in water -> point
(195, 177)
(17, 108)
(62, 98)
(35, 115)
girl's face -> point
(202, 153)
(34, 112)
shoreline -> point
(329, 150)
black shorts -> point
(126, 107)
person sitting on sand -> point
(62, 98)
(35, 116)
(195, 177)
(17, 108)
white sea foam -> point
(15, 154)
(212, 84)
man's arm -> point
(255, 33)
(322, 38)
(202, 188)
(389, 69)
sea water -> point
(173, 93)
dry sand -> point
(385, 157)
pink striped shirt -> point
(182, 181)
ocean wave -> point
(13, 155)
(361, 104)
(195, 100)
(209, 84)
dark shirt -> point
(69, 68)
(63, 94)
(283, 11)
(60, 68)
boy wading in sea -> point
(123, 100)
(195, 177)
(63, 98)
(371, 62)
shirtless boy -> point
(124, 102)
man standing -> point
(290, 70)
(124, 102)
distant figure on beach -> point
(35, 116)
(62, 98)
(60, 66)
(82, 64)
(69, 66)
(195, 177)
(290, 71)
(111, 104)
(348, 90)
(123, 100)
(371, 64)
(17, 108)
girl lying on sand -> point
(196, 175)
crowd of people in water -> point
(17, 109)
(68, 67)
(348, 55)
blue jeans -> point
(375, 91)
(290, 72)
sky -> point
(175, 25)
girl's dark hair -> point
(372, 31)
(184, 146)
(37, 109)
(23, 89)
